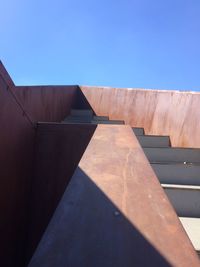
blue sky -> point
(121, 43)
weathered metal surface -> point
(16, 155)
(10, 87)
(47, 103)
(114, 212)
(20, 108)
(58, 149)
(3, 73)
(160, 112)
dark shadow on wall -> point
(16, 155)
(88, 230)
(81, 101)
(58, 150)
(46, 103)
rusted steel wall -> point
(6, 77)
(114, 212)
(160, 112)
(59, 148)
(16, 155)
(47, 103)
(20, 108)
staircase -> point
(178, 170)
(87, 116)
(102, 184)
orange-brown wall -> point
(160, 112)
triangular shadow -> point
(87, 229)
(81, 101)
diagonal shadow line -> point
(58, 150)
(87, 229)
(81, 101)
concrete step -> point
(173, 155)
(185, 199)
(81, 112)
(192, 228)
(138, 131)
(153, 141)
(107, 122)
(177, 173)
(100, 118)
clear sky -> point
(121, 43)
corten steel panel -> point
(47, 103)
(160, 112)
(3, 73)
(114, 212)
(16, 151)
(59, 148)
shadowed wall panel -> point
(160, 112)
(47, 103)
(21, 107)
(59, 148)
(16, 154)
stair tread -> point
(177, 173)
(107, 122)
(100, 118)
(172, 155)
(154, 141)
(81, 112)
(185, 199)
